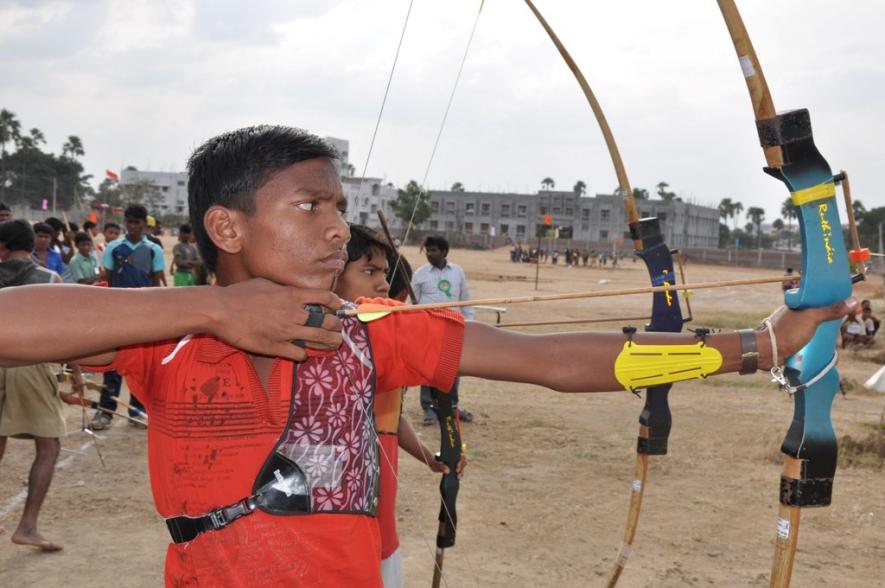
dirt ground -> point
(545, 497)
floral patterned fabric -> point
(330, 434)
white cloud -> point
(143, 83)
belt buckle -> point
(218, 518)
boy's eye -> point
(309, 206)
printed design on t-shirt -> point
(331, 433)
(445, 287)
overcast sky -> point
(143, 83)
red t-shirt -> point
(388, 408)
(212, 426)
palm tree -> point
(736, 209)
(756, 216)
(73, 147)
(580, 188)
(726, 209)
(788, 211)
(778, 225)
(10, 129)
(640, 194)
(663, 193)
(548, 184)
(457, 187)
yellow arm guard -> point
(641, 366)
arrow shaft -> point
(575, 295)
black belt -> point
(184, 529)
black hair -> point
(136, 211)
(228, 169)
(400, 276)
(17, 235)
(4, 206)
(89, 225)
(112, 226)
(44, 228)
(363, 240)
(82, 237)
(55, 223)
(73, 227)
(437, 241)
(186, 229)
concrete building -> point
(172, 187)
(596, 219)
(366, 197)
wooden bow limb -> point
(396, 266)
(77, 400)
(573, 322)
(384, 310)
(858, 254)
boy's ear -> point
(226, 228)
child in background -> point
(185, 258)
(84, 266)
(44, 254)
(369, 260)
(111, 233)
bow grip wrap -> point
(666, 316)
(825, 279)
(449, 454)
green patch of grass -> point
(587, 455)
(536, 422)
(477, 453)
(875, 425)
(867, 451)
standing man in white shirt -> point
(440, 280)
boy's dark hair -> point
(400, 276)
(56, 224)
(4, 206)
(136, 211)
(186, 229)
(89, 225)
(112, 226)
(228, 169)
(437, 241)
(82, 237)
(363, 240)
(45, 229)
(17, 235)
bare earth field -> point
(545, 496)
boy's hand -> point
(264, 318)
(441, 468)
(794, 328)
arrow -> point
(368, 312)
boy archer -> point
(261, 451)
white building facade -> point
(172, 187)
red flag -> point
(112, 175)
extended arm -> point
(584, 362)
(256, 316)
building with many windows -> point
(172, 187)
(593, 219)
(365, 197)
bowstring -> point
(370, 419)
(399, 46)
(396, 267)
(439, 133)
(382, 451)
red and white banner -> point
(111, 175)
